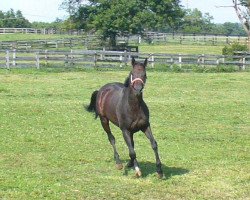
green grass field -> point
(50, 148)
(27, 37)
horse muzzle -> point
(137, 84)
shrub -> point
(230, 49)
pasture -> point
(168, 48)
(28, 37)
(50, 148)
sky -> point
(220, 14)
(48, 10)
(36, 10)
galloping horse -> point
(123, 105)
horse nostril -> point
(138, 87)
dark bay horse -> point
(123, 105)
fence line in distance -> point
(16, 58)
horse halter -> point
(136, 79)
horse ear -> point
(145, 62)
(133, 61)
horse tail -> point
(92, 106)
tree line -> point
(12, 19)
(127, 17)
(15, 19)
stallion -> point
(123, 105)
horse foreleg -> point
(128, 137)
(154, 145)
(131, 162)
(105, 125)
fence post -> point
(198, 60)
(8, 59)
(165, 37)
(95, 59)
(66, 59)
(205, 38)
(203, 60)
(14, 58)
(180, 60)
(101, 54)
(217, 61)
(46, 57)
(121, 58)
(139, 39)
(37, 60)
(71, 57)
(223, 59)
(152, 61)
(243, 66)
(244, 62)
(125, 57)
(172, 62)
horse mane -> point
(127, 80)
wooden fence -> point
(84, 41)
(187, 38)
(20, 59)
(43, 44)
(94, 39)
(40, 31)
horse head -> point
(137, 77)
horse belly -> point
(107, 105)
(110, 112)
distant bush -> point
(230, 49)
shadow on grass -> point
(148, 169)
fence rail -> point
(40, 31)
(19, 59)
(42, 44)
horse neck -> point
(134, 100)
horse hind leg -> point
(105, 125)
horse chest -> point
(138, 123)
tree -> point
(111, 18)
(57, 24)
(242, 8)
(233, 29)
(1, 19)
(196, 22)
(12, 19)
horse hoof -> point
(138, 174)
(119, 166)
